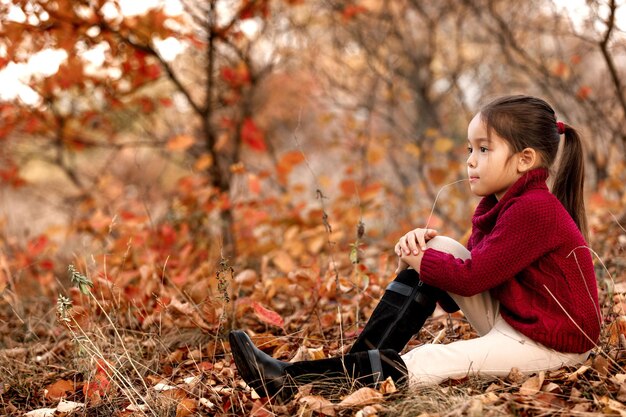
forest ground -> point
(97, 367)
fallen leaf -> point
(551, 387)
(489, 398)
(515, 376)
(174, 357)
(550, 398)
(247, 278)
(259, 409)
(575, 395)
(68, 406)
(206, 403)
(612, 407)
(387, 386)
(58, 390)
(163, 387)
(137, 407)
(307, 354)
(601, 365)
(41, 412)
(532, 385)
(192, 380)
(475, 408)
(317, 404)
(621, 395)
(283, 261)
(581, 408)
(186, 407)
(267, 316)
(362, 396)
(368, 411)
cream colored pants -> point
(498, 349)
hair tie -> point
(560, 127)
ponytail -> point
(570, 179)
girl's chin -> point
(477, 191)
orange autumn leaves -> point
(251, 135)
(93, 389)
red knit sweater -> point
(528, 252)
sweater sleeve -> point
(524, 232)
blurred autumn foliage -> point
(209, 164)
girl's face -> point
(491, 165)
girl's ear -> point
(528, 159)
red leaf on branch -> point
(146, 105)
(286, 163)
(195, 41)
(560, 69)
(180, 143)
(348, 187)
(227, 123)
(267, 316)
(33, 124)
(11, 176)
(236, 77)
(151, 71)
(583, 92)
(254, 184)
(252, 136)
(253, 8)
(351, 10)
(166, 101)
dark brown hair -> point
(530, 122)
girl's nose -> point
(471, 162)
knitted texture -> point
(528, 252)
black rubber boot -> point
(400, 314)
(277, 379)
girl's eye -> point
(483, 149)
(469, 149)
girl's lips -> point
(473, 179)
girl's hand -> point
(413, 261)
(402, 265)
(414, 241)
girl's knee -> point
(448, 245)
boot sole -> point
(243, 353)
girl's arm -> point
(525, 231)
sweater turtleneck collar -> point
(489, 208)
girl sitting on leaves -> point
(525, 282)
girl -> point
(525, 282)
